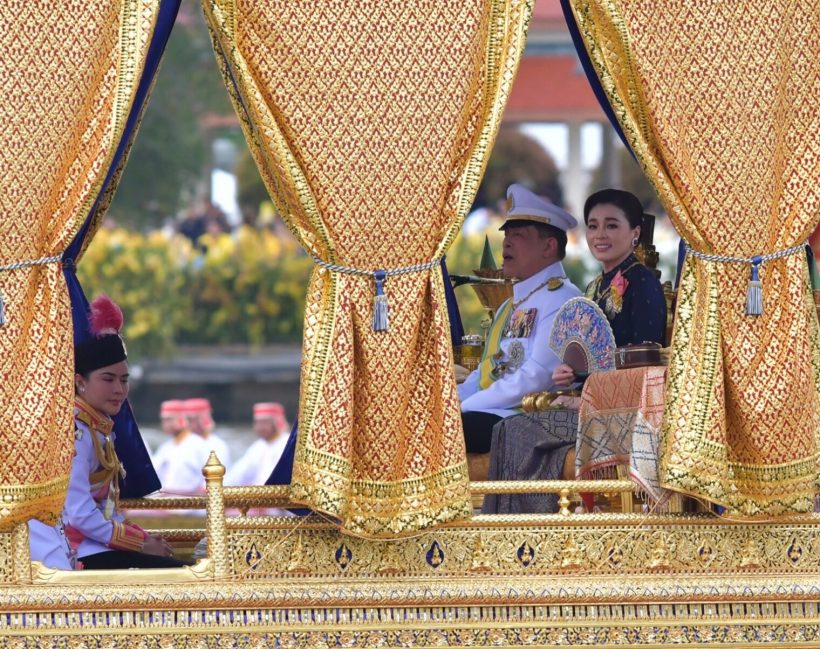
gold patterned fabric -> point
(371, 123)
(68, 72)
(720, 101)
(619, 423)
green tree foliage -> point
(247, 289)
(244, 289)
(145, 275)
(517, 158)
(171, 155)
(251, 191)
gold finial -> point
(563, 502)
(213, 468)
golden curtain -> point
(371, 123)
(68, 73)
(720, 102)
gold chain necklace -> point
(515, 305)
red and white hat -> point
(172, 408)
(198, 411)
(197, 406)
(270, 410)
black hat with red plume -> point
(105, 346)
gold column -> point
(217, 531)
(21, 564)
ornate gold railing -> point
(528, 578)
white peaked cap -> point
(523, 205)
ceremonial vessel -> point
(371, 122)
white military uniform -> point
(49, 545)
(531, 363)
(178, 463)
(256, 465)
(219, 446)
(85, 515)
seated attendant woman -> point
(99, 534)
(541, 446)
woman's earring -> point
(635, 242)
(81, 388)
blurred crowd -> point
(204, 221)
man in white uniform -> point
(254, 467)
(517, 358)
(178, 461)
(201, 422)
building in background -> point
(552, 102)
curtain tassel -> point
(754, 292)
(380, 314)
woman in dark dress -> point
(536, 446)
(627, 291)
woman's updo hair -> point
(627, 202)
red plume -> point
(105, 316)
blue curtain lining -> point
(592, 77)
(141, 478)
(456, 326)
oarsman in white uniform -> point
(200, 421)
(178, 461)
(254, 467)
(517, 358)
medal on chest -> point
(521, 324)
(509, 362)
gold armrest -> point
(539, 401)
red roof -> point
(548, 10)
(552, 89)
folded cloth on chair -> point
(531, 446)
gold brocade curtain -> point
(68, 73)
(720, 102)
(371, 123)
